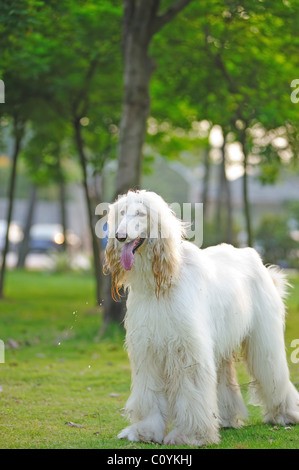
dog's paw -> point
(235, 423)
(141, 432)
(129, 433)
(175, 438)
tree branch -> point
(218, 62)
(232, 86)
(169, 14)
(82, 97)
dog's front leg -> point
(192, 399)
(146, 406)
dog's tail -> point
(280, 280)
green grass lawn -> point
(64, 387)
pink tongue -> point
(127, 257)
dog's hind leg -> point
(264, 350)
(230, 402)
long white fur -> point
(181, 342)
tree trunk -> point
(206, 180)
(245, 191)
(220, 200)
(95, 245)
(228, 236)
(224, 205)
(18, 134)
(140, 23)
(246, 203)
(63, 211)
(229, 226)
(24, 245)
(138, 69)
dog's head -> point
(142, 224)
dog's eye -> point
(122, 212)
(137, 213)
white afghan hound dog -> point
(188, 310)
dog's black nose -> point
(121, 237)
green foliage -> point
(230, 63)
(69, 57)
(274, 238)
(222, 61)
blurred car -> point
(15, 234)
(47, 237)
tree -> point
(250, 56)
(232, 68)
(141, 22)
(90, 100)
(82, 86)
(45, 153)
(25, 243)
(22, 91)
(18, 132)
(68, 52)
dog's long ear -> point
(165, 264)
(113, 266)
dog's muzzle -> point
(121, 237)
